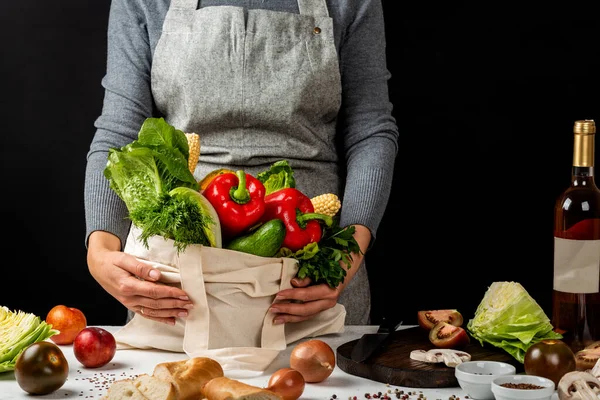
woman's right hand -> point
(133, 283)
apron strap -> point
(315, 8)
(180, 16)
(187, 4)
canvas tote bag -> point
(232, 292)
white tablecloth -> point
(84, 383)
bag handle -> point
(196, 336)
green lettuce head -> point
(509, 318)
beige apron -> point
(258, 86)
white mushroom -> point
(596, 370)
(450, 357)
(579, 385)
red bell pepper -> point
(294, 208)
(239, 201)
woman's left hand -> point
(304, 300)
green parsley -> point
(321, 261)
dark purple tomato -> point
(549, 358)
(41, 368)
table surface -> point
(85, 383)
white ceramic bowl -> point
(504, 393)
(475, 377)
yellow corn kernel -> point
(327, 203)
(194, 145)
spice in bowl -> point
(522, 387)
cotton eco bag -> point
(232, 292)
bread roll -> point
(188, 376)
(123, 389)
(154, 389)
(224, 388)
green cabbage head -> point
(509, 318)
(18, 330)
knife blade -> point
(369, 342)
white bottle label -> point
(576, 265)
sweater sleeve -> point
(369, 134)
(127, 103)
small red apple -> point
(94, 347)
(68, 320)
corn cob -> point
(327, 203)
(194, 145)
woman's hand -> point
(305, 301)
(133, 283)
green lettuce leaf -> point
(279, 176)
(151, 166)
(510, 319)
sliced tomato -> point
(427, 319)
(447, 336)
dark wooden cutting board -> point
(391, 363)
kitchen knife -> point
(369, 342)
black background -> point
(485, 103)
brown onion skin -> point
(314, 359)
(288, 383)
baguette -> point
(123, 389)
(224, 388)
(154, 388)
(188, 376)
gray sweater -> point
(368, 132)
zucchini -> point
(264, 241)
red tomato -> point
(428, 318)
(447, 336)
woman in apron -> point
(259, 81)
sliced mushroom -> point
(578, 385)
(450, 357)
(596, 370)
(587, 358)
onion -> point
(287, 382)
(314, 359)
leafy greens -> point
(151, 175)
(321, 261)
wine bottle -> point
(576, 294)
